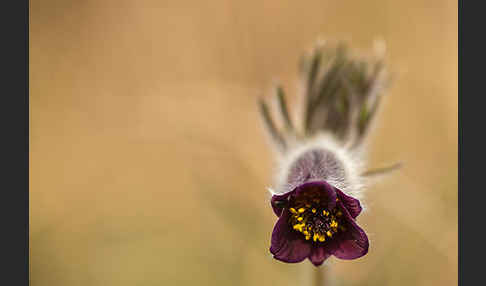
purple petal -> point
(288, 245)
(276, 205)
(326, 190)
(351, 244)
(319, 255)
(351, 204)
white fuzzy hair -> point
(348, 180)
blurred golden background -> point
(148, 164)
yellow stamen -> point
(316, 236)
(301, 210)
(299, 218)
(307, 237)
(329, 233)
(299, 226)
(334, 223)
(292, 210)
(313, 211)
(322, 238)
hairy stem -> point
(321, 276)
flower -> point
(317, 220)
(321, 179)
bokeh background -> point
(148, 164)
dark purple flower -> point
(321, 162)
(316, 220)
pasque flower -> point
(316, 220)
(320, 181)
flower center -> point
(313, 220)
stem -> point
(321, 277)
